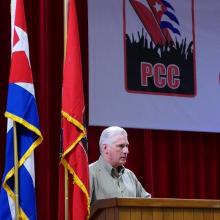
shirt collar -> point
(115, 172)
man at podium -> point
(108, 176)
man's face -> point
(117, 152)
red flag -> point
(74, 156)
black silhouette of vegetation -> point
(143, 50)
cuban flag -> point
(158, 18)
(21, 109)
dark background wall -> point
(168, 163)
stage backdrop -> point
(168, 163)
(154, 64)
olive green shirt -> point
(108, 182)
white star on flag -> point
(157, 6)
(22, 44)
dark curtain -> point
(168, 163)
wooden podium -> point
(155, 209)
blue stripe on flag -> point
(167, 4)
(8, 153)
(21, 107)
(27, 108)
(165, 24)
(25, 139)
(5, 209)
(27, 203)
(172, 17)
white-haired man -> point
(108, 176)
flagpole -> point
(66, 194)
(16, 184)
(66, 171)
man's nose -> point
(125, 150)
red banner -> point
(74, 155)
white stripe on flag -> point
(11, 206)
(9, 124)
(27, 86)
(29, 165)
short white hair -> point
(109, 134)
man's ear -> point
(105, 148)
